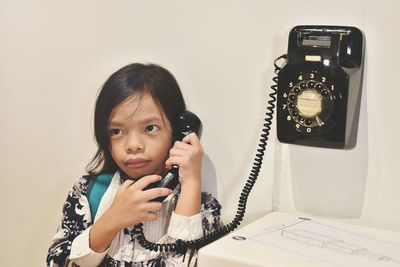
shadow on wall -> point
(331, 182)
(209, 177)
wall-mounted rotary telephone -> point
(318, 91)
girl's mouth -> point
(136, 163)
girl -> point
(135, 121)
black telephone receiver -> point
(188, 123)
(319, 89)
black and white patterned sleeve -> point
(210, 213)
(75, 219)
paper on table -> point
(328, 244)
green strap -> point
(98, 188)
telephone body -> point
(319, 89)
(188, 123)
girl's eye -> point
(115, 132)
(152, 128)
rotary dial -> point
(310, 101)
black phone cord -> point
(181, 246)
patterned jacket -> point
(76, 218)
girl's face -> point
(140, 136)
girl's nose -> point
(134, 144)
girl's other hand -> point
(132, 205)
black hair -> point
(122, 84)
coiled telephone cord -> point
(181, 246)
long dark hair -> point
(134, 78)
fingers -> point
(147, 180)
(126, 184)
(153, 193)
(133, 205)
(150, 217)
(154, 206)
(189, 142)
(189, 148)
(157, 192)
(150, 212)
(192, 139)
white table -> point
(281, 239)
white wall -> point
(56, 54)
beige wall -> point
(54, 56)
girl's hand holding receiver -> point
(188, 155)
